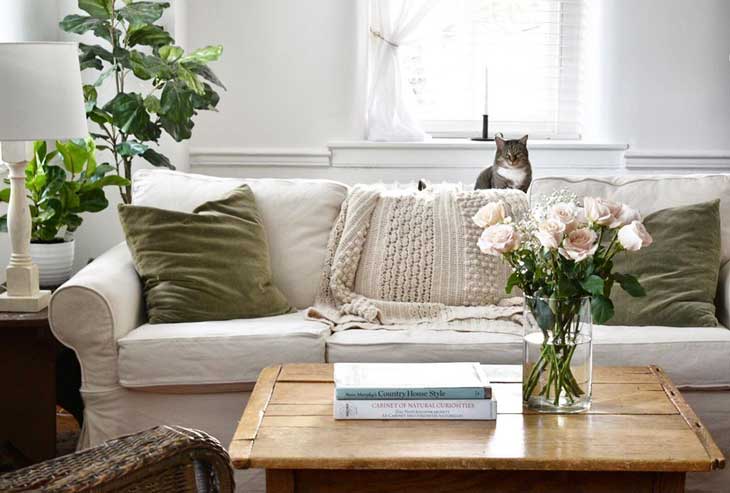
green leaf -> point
(152, 103)
(593, 284)
(601, 309)
(149, 66)
(630, 284)
(156, 159)
(204, 55)
(542, 313)
(5, 195)
(79, 24)
(207, 101)
(99, 116)
(91, 56)
(104, 75)
(93, 201)
(176, 110)
(131, 148)
(191, 80)
(73, 222)
(566, 287)
(128, 112)
(74, 155)
(4, 223)
(90, 96)
(142, 12)
(101, 9)
(148, 35)
(113, 180)
(171, 53)
(205, 72)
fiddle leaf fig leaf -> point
(176, 110)
(156, 159)
(207, 101)
(131, 148)
(101, 9)
(205, 72)
(148, 35)
(152, 103)
(170, 53)
(128, 112)
(149, 66)
(90, 96)
(79, 24)
(204, 55)
(74, 155)
(142, 12)
(191, 80)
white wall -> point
(657, 80)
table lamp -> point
(41, 98)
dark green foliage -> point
(133, 45)
(61, 185)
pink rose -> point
(603, 212)
(627, 215)
(634, 236)
(579, 244)
(490, 214)
(498, 239)
(566, 213)
(550, 233)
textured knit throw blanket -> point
(403, 259)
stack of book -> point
(412, 391)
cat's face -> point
(512, 153)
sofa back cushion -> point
(649, 193)
(297, 215)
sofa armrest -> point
(100, 304)
(723, 295)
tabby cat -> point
(511, 168)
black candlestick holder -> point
(485, 130)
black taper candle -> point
(485, 130)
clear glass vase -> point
(558, 355)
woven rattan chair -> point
(162, 459)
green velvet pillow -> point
(679, 270)
(212, 264)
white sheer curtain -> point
(392, 23)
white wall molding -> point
(677, 161)
(259, 156)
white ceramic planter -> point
(54, 261)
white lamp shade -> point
(41, 96)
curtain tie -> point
(380, 36)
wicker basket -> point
(162, 459)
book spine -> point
(413, 394)
(462, 409)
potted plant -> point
(61, 185)
(133, 46)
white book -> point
(462, 409)
(375, 381)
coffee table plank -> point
(517, 442)
(307, 372)
(607, 398)
(248, 426)
(299, 410)
(713, 451)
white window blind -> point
(531, 51)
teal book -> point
(413, 394)
(410, 381)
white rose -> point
(566, 213)
(627, 215)
(579, 244)
(490, 214)
(550, 233)
(498, 239)
(634, 236)
(602, 211)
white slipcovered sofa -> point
(199, 375)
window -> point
(530, 50)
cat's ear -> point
(523, 140)
(499, 141)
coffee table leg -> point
(279, 481)
(669, 482)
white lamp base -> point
(24, 303)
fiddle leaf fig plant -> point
(61, 185)
(177, 85)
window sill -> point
(546, 155)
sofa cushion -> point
(693, 356)
(297, 215)
(648, 193)
(220, 352)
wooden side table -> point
(36, 372)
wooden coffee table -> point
(640, 435)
